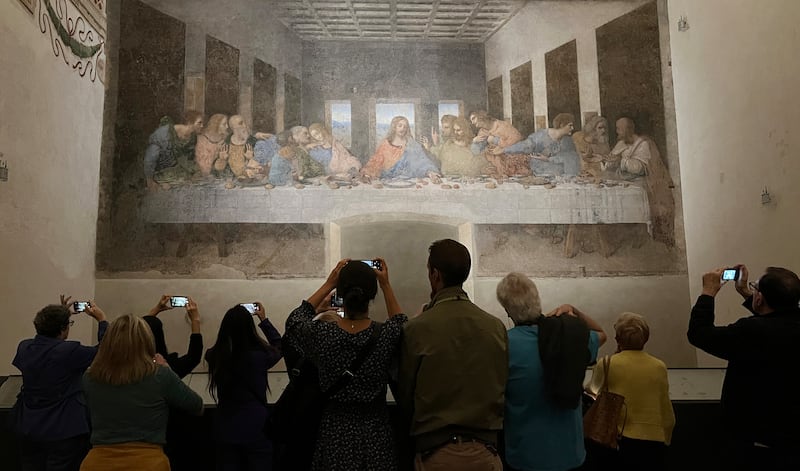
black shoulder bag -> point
(298, 411)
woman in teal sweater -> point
(129, 390)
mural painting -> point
(247, 183)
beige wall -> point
(735, 74)
(736, 97)
(50, 136)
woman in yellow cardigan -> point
(642, 379)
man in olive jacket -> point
(453, 371)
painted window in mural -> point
(340, 121)
(450, 107)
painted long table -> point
(508, 203)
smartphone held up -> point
(376, 264)
(81, 306)
(178, 301)
(252, 308)
(731, 274)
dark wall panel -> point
(495, 96)
(264, 84)
(629, 62)
(522, 98)
(222, 77)
(293, 92)
(151, 58)
(561, 72)
(362, 72)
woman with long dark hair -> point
(353, 356)
(237, 369)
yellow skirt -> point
(131, 456)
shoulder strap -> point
(349, 373)
(606, 368)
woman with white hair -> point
(540, 431)
(642, 379)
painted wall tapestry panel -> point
(522, 99)
(293, 91)
(222, 77)
(265, 79)
(563, 94)
(495, 97)
(629, 67)
(151, 73)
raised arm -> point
(392, 305)
(184, 365)
(591, 323)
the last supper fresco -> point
(243, 128)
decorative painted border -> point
(73, 37)
(28, 4)
(95, 13)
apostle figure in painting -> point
(331, 153)
(473, 119)
(400, 155)
(456, 155)
(169, 157)
(552, 150)
(237, 152)
(307, 167)
(210, 142)
(284, 162)
(592, 145)
(494, 135)
(439, 139)
(637, 158)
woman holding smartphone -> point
(353, 356)
(237, 369)
(129, 390)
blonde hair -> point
(520, 298)
(126, 353)
(632, 331)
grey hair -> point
(520, 298)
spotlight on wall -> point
(683, 24)
(3, 170)
(766, 198)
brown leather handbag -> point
(601, 420)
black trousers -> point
(57, 455)
(747, 456)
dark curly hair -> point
(51, 320)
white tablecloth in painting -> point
(509, 203)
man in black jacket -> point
(759, 395)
